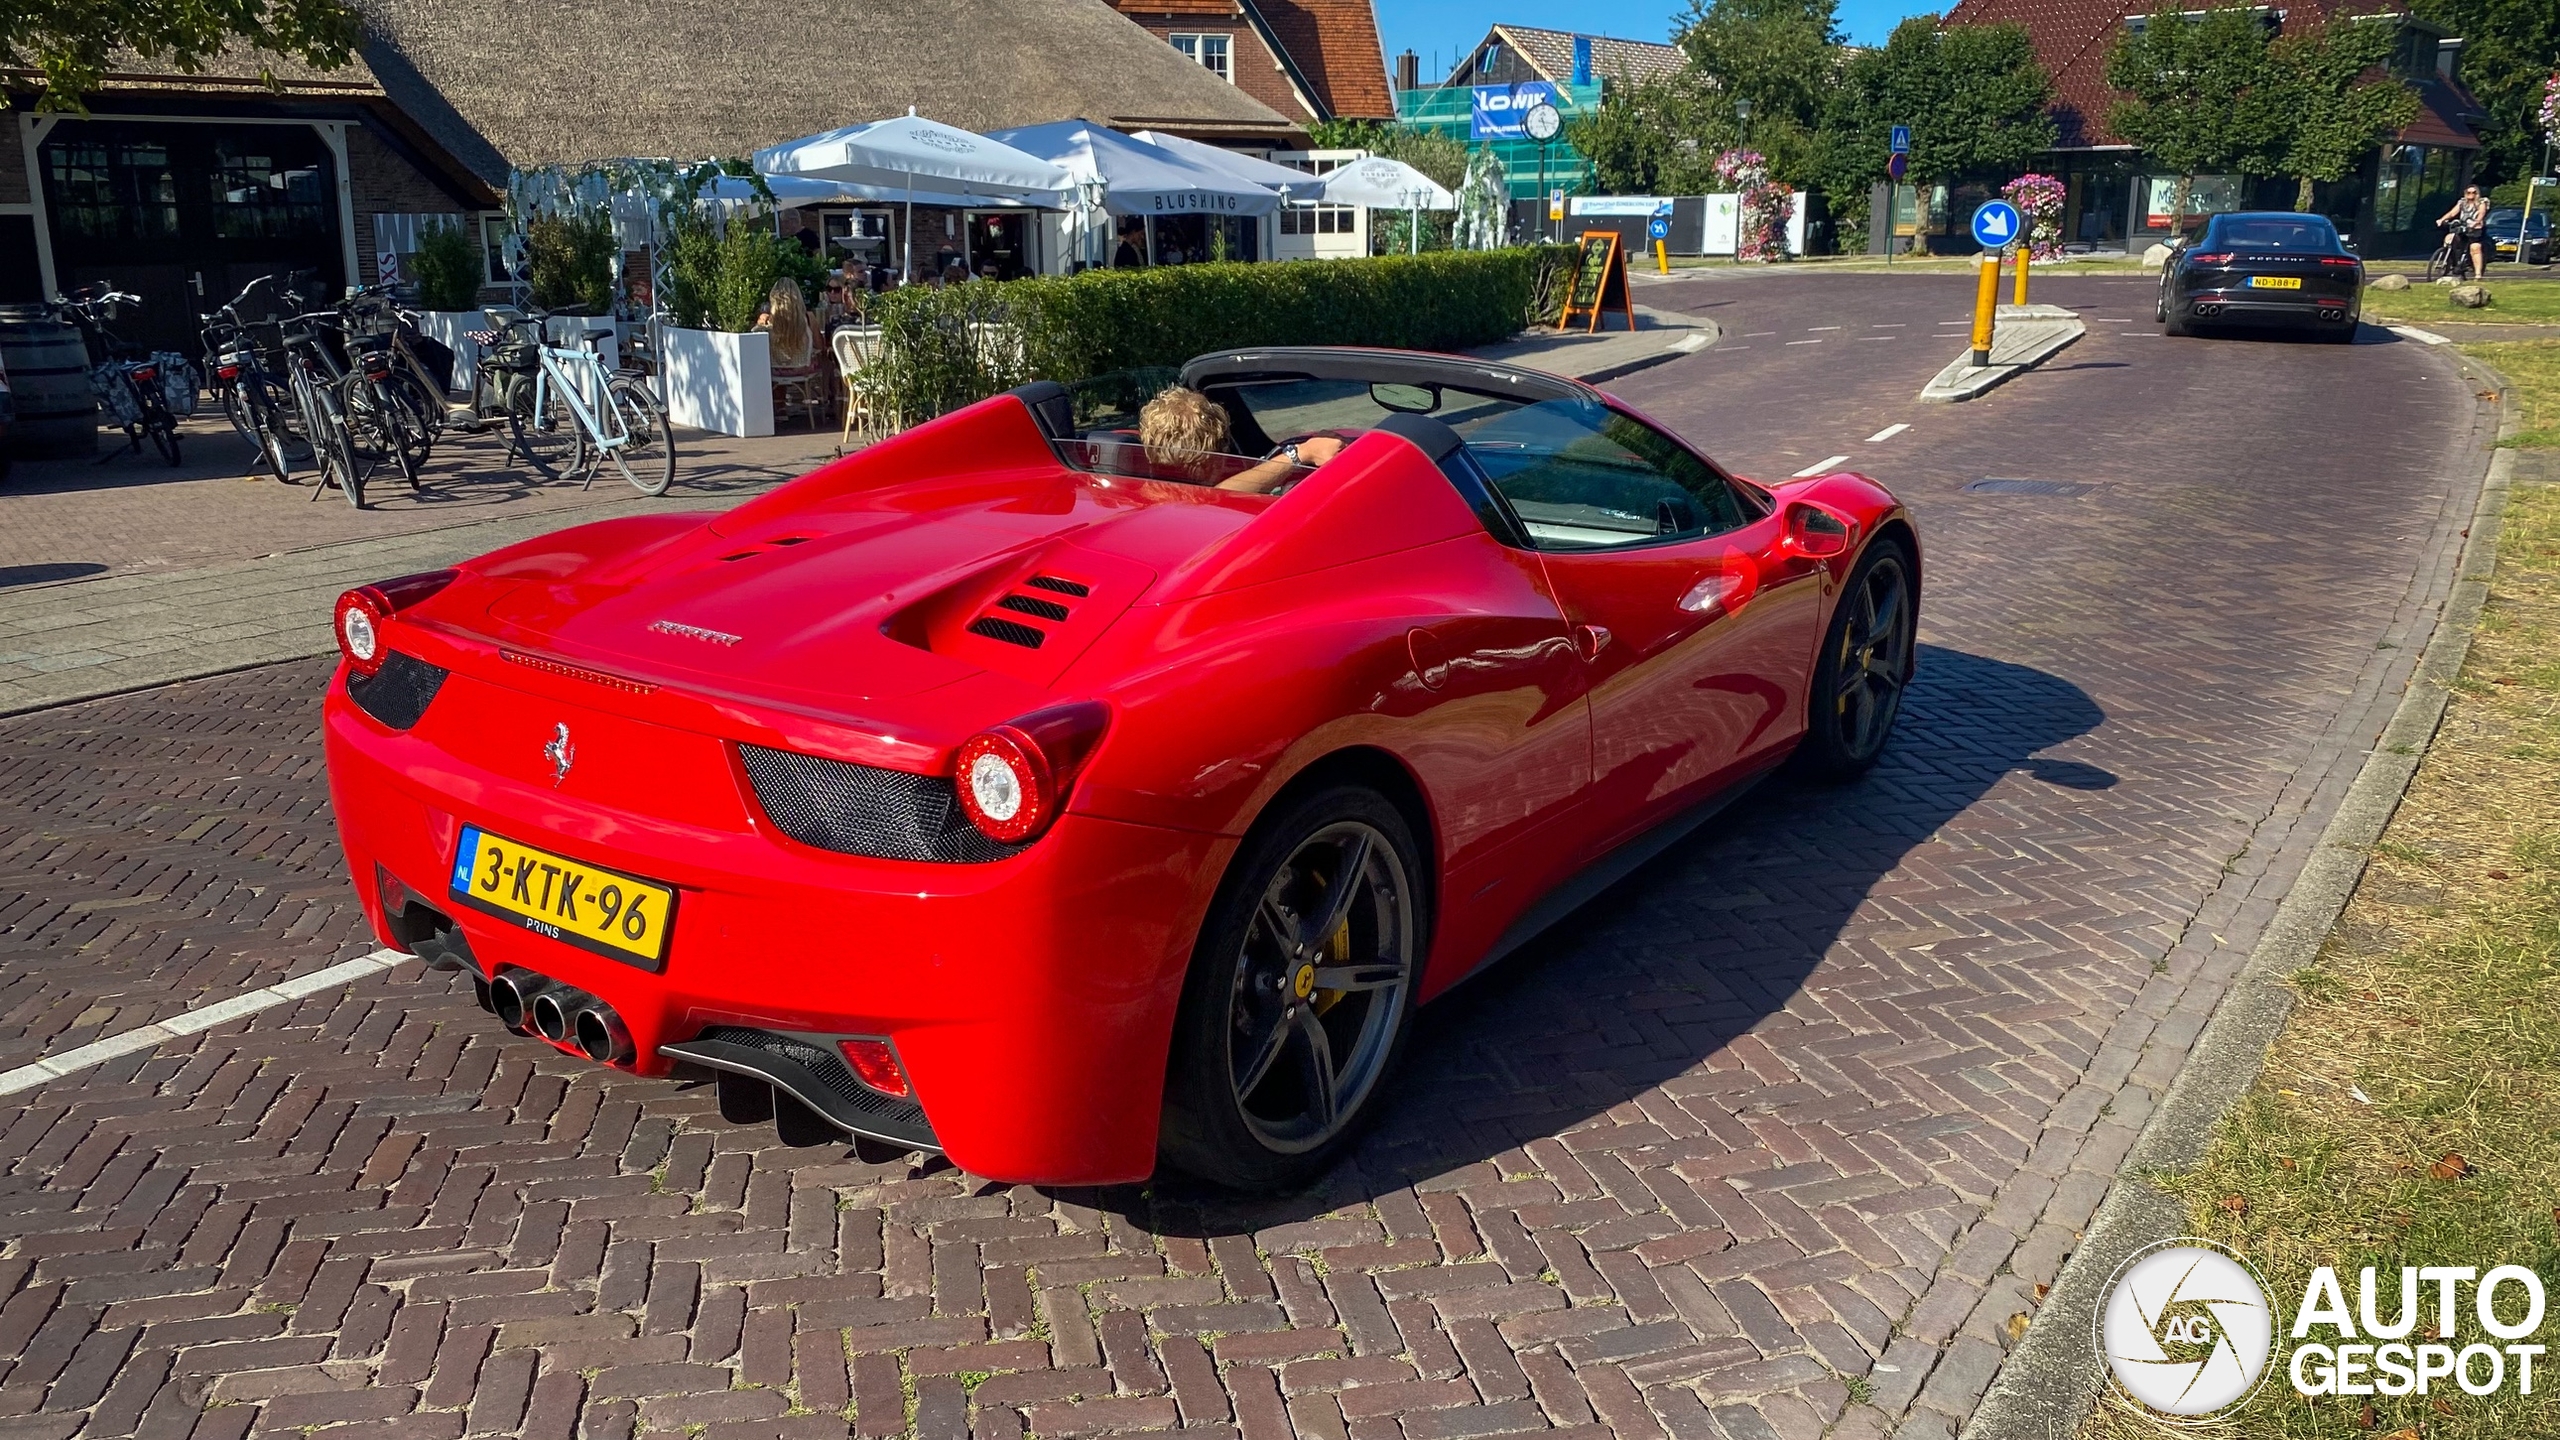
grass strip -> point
(2410, 1111)
(2512, 301)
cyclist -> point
(2470, 217)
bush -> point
(572, 262)
(446, 269)
(942, 349)
(807, 270)
(719, 282)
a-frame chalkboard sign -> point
(1599, 282)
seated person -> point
(1183, 429)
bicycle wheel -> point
(157, 422)
(539, 430)
(648, 461)
(412, 412)
(374, 425)
(267, 419)
(331, 446)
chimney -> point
(1408, 71)
(2448, 58)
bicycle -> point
(131, 387)
(2453, 257)
(318, 387)
(577, 412)
(253, 398)
(375, 311)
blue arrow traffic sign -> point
(1995, 223)
(1901, 140)
(1657, 228)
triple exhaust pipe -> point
(565, 1015)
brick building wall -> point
(13, 166)
(1255, 70)
(383, 181)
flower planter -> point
(718, 381)
(449, 329)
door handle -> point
(1590, 640)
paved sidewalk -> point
(92, 602)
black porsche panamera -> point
(2264, 268)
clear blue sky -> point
(1446, 26)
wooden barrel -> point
(48, 369)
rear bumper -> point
(2272, 307)
(1029, 1000)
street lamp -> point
(1742, 112)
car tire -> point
(1867, 658)
(2177, 326)
(2340, 334)
(1244, 1108)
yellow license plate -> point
(2275, 282)
(595, 909)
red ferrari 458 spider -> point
(1012, 791)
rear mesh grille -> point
(398, 694)
(1062, 587)
(1011, 632)
(865, 810)
(827, 1066)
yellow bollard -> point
(1662, 256)
(2020, 298)
(1986, 301)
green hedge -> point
(941, 349)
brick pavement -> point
(1771, 1142)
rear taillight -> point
(1014, 779)
(875, 1065)
(229, 372)
(146, 372)
(2344, 262)
(361, 611)
(2219, 257)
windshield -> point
(2304, 233)
(1105, 452)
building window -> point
(493, 245)
(1318, 220)
(1214, 52)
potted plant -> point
(716, 368)
(446, 271)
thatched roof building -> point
(540, 83)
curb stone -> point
(2053, 1377)
(2026, 336)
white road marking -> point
(2412, 332)
(1896, 325)
(2113, 319)
(1804, 342)
(221, 1012)
(1822, 327)
(1889, 432)
(1818, 467)
(1879, 337)
(1756, 334)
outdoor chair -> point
(854, 346)
(798, 384)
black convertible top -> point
(1394, 367)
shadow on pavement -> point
(1669, 966)
(46, 574)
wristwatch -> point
(1291, 450)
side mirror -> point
(1815, 533)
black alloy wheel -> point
(1301, 992)
(1865, 664)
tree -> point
(2201, 95)
(2332, 108)
(1660, 137)
(2509, 48)
(1780, 55)
(71, 42)
(1973, 96)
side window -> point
(1583, 477)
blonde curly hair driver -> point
(1181, 426)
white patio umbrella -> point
(1379, 183)
(1133, 177)
(911, 155)
(1293, 184)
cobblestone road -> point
(1774, 1139)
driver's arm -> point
(1277, 470)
